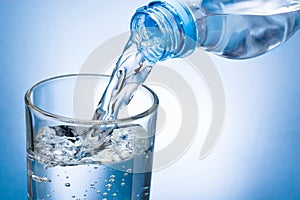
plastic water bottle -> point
(235, 29)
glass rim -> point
(61, 118)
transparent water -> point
(130, 72)
(87, 163)
(90, 182)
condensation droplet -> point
(122, 184)
(114, 194)
(104, 193)
(129, 170)
(125, 174)
(98, 191)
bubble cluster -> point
(67, 145)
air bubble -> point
(108, 186)
(67, 184)
(111, 180)
(37, 178)
(112, 176)
(104, 193)
(40, 179)
(146, 188)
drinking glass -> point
(72, 156)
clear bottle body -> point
(244, 28)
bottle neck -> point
(164, 30)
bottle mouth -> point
(162, 30)
(149, 32)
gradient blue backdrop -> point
(258, 155)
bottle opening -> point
(162, 30)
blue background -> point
(258, 155)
